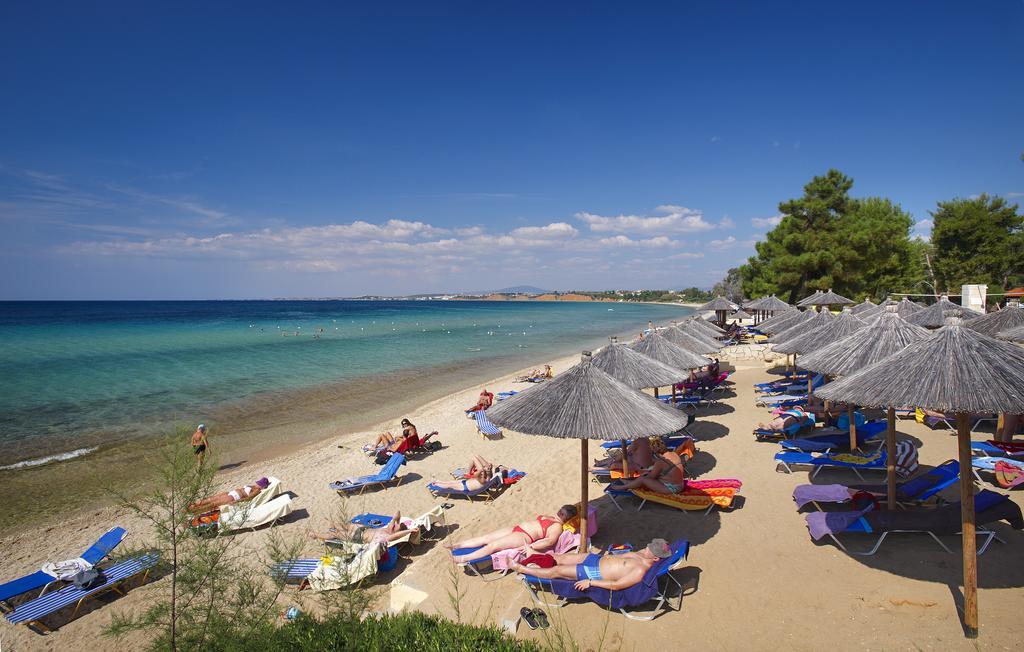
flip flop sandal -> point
(447, 505)
(542, 618)
(529, 616)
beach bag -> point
(88, 579)
(433, 445)
(382, 457)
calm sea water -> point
(77, 375)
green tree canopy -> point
(978, 240)
(827, 239)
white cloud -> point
(726, 223)
(765, 222)
(923, 226)
(715, 139)
(685, 255)
(553, 230)
(1011, 195)
(722, 244)
(625, 241)
(676, 219)
(182, 203)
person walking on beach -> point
(200, 444)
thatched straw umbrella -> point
(586, 403)
(813, 339)
(721, 306)
(996, 322)
(866, 304)
(637, 371)
(887, 335)
(779, 323)
(703, 326)
(698, 328)
(689, 341)
(934, 316)
(804, 325)
(829, 298)
(770, 306)
(806, 302)
(1013, 335)
(656, 346)
(739, 314)
(905, 307)
(954, 370)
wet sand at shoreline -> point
(761, 582)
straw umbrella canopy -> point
(753, 304)
(998, 321)
(656, 346)
(773, 304)
(740, 314)
(830, 298)
(866, 304)
(1014, 334)
(586, 403)
(826, 333)
(634, 369)
(779, 323)
(690, 341)
(807, 302)
(699, 329)
(702, 326)
(720, 305)
(905, 308)
(884, 337)
(934, 316)
(954, 370)
(814, 320)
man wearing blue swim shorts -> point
(613, 572)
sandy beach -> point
(755, 579)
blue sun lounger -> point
(762, 434)
(387, 475)
(868, 432)
(96, 553)
(486, 491)
(480, 565)
(31, 612)
(906, 460)
(484, 425)
(915, 490)
(798, 387)
(654, 586)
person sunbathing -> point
(710, 372)
(248, 492)
(387, 441)
(667, 475)
(612, 572)
(786, 419)
(485, 401)
(474, 481)
(394, 530)
(534, 535)
(477, 464)
(638, 453)
(548, 372)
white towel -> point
(65, 570)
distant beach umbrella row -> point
(810, 320)
(813, 338)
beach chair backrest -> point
(928, 484)
(391, 468)
(98, 551)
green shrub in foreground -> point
(415, 632)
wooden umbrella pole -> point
(890, 458)
(853, 429)
(970, 544)
(810, 387)
(999, 427)
(584, 500)
(625, 459)
(673, 393)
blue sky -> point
(252, 150)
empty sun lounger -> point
(654, 587)
(993, 448)
(906, 460)
(915, 490)
(387, 475)
(989, 507)
(484, 425)
(96, 553)
(32, 612)
(870, 432)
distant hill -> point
(521, 289)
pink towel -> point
(504, 559)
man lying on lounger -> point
(533, 535)
(485, 401)
(612, 572)
(248, 492)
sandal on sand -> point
(542, 619)
(529, 616)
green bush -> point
(415, 632)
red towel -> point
(541, 561)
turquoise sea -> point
(78, 376)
